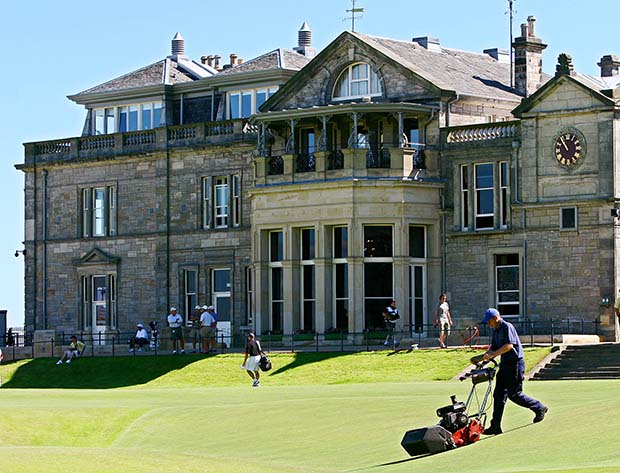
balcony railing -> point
(147, 140)
(482, 132)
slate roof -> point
(277, 59)
(167, 71)
(466, 73)
(598, 83)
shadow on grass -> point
(94, 373)
(301, 359)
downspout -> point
(181, 110)
(443, 244)
(44, 256)
(168, 227)
(212, 105)
(448, 102)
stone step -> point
(600, 361)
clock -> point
(569, 148)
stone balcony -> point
(102, 146)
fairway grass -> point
(294, 425)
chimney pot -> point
(203, 59)
(216, 61)
(432, 44)
(610, 65)
(530, 24)
(239, 61)
(233, 59)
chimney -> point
(304, 41)
(500, 55)
(239, 61)
(203, 59)
(178, 46)
(610, 66)
(528, 59)
(432, 44)
(233, 59)
(216, 62)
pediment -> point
(97, 257)
(564, 94)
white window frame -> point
(518, 291)
(339, 262)
(111, 117)
(304, 264)
(478, 190)
(465, 183)
(504, 204)
(372, 79)
(275, 264)
(89, 212)
(221, 196)
(254, 105)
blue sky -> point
(55, 49)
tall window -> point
(276, 254)
(249, 304)
(507, 287)
(465, 197)
(485, 196)
(143, 116)
(378, 273)
(308, 289)
(99, 211)
(503, 194)
(356, 81)
(417, 241)
(243, 103)
(220, 194)
(341, 278)
(190, 292)
(568, 218)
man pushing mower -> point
(509, 380)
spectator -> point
(443, 318)
(141, 339)
(175, 322)
(194, 333)
(208, 327)
(251, 360)
(390, 315)
(76, 348)
(10, 339)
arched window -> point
(356, 81)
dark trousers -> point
(509, 385)
(138, 341)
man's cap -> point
(172, 308)
(197, 307)
(140, 326)
(210, 308)
(489, 314)
(251, 335)
(205, 307)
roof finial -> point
(178, 45)
(565, 65)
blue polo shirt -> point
(507, 333)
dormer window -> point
(143, 116)
(357, 81)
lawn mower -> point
(457, 426)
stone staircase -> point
(597, 361)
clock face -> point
(568, 149)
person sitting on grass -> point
(141, 339)
(76, 348)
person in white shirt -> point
(208, 327)
(175, 322)
(141, 339)
(443, 318)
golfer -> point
(252, 360)
(509, 379)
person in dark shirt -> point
(252, 359)
(509, 379)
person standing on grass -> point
(390, 315)
(208, 322)
(251, 360)
(444, 319)
(194, 334)
(175, 322)
(509, 380)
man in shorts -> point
(251, 360)
(175, 322)
(194, 333)
(443, 318)
(208, 324)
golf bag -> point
(154, 341)
(456, 427)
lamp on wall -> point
(23, 252)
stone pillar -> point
(528, 59)
(44, 340)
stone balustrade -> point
(482, 132)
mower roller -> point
(457, 427)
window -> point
(377, 241)
(143, 116)
(356, 81)
(190, 292)
(243, 103)
(276, 282)
(491, 196)
(417, 289)
(220, 195)
(507, 285)
(308, 289)
(341, 279)
(98, 302)
(417, 241)
(249, 304)
(568, 218)
(378, 273)
(99, 211)
(485, 196)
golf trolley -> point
(457, 427)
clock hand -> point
(563, 143)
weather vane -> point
(353, 12)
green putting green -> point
(179, 421)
